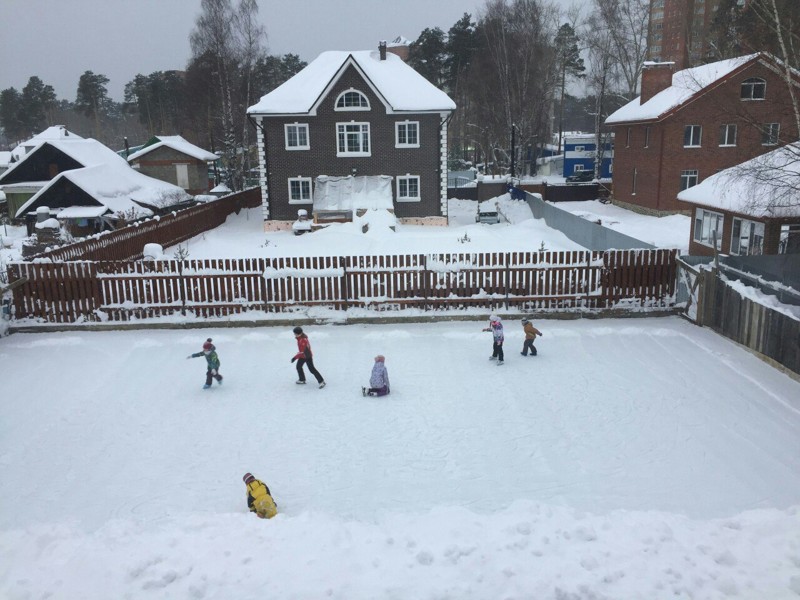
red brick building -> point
(678, 31)
(749, 209)
(688, 125)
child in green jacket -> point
(212, 360)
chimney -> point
(656, 77)
(382, 50)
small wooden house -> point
(172, 159)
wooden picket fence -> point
(71, 292)
(170, 229)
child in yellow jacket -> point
(530, 335)
(259, 498)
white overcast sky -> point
(58, 40)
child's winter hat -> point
(525, 321)
(493, 317)
(380, 358)
(208, 345)
(248, 477)
(297, 330)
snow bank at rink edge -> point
(528, 550)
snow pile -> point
(377, 223)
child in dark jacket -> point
(212, 362)
(379, 380)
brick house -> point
(752, 208)
(688, 125)
(172, 159)
(353, 130)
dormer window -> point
(753, 89)
(352, 100)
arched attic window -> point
(352, 100)
(754, 88)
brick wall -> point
(659, 164)
(385, 159)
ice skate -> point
(300, 382)
(321, 384)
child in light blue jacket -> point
(379, 380)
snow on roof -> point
(685, 84)
(220, 188)
(86, 152)
(765, 186)
(5, 158)
(119, 188)
(56, 132)
(178, 144)
(82, 212)
(400, 85)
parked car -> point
(581, 176)
(487, 213)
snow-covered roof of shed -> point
(685, 84)
(118, 187)
(765, 186)
(400, 85)
(179, 144)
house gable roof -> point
(398, 85)
(177, 143)
(686, 85)
(765, 186)
(108, 179)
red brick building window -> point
(692, 136)
(753, 89)
(770, 133)
(688, 179)
(727, 134)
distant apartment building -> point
(679, 31)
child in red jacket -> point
(305, 357)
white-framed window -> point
(351, 99)
(754, 88)
(692, 136)
(406, 134)
(296, 136)
(707, 226)
(300, 190)
(688, 179)
(628, 138)
(633, 184)
(727, 134)
(577, 168)
(352, 139)
(647, 137)
(789, 240)
(747, 237)
(770, 133)
(408, 188)
(579, 148)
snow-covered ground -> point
(243, 236)
(663, 232)
(635, 459)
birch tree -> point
(514, 73)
